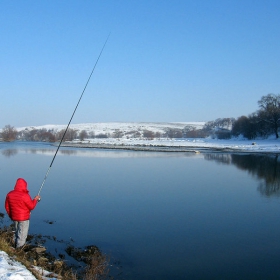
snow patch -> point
(110, 127)
(13, 270)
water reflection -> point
(163, 215)
(263, 167)
(9, 152)
(219, 158)
(68, 152)
(30, 148)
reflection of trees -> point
(12, 152)
(48, 151)
(68, 152)
(269, 189)
(264, 167)
(219, 158)
(9, 152)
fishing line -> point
(47, 173)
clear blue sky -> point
(165, 61)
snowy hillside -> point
(111, 127)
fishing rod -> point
(47, 173)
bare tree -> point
(157, 134)
(91, 134)
(102, 135)
(36, 135)
(83, 134)
(220, 123)
(270, 111)
(148, 134)
(249, 127)
(9, 133)
(174, 133)
(70, 135)
(118, 133)
(196, 133)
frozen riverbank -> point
(181, 145)
(11, 269)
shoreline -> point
(165, 148)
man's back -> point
(18, 202)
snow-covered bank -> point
(182, 145)
(13, 270)
(125, 127)
(131, 137)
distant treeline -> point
(261, 123)
(217, 128)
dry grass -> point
(96, 264)
(6, 244)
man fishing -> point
(18, 205)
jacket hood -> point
(21, 185)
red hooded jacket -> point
(18, 202)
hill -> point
(124, 127)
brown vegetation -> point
(9, 133)
(95, 263)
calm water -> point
(159, 215)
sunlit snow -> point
(13, 270)
(238, 144)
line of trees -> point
(9, 133)
(262, 123)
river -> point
(157, 215)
